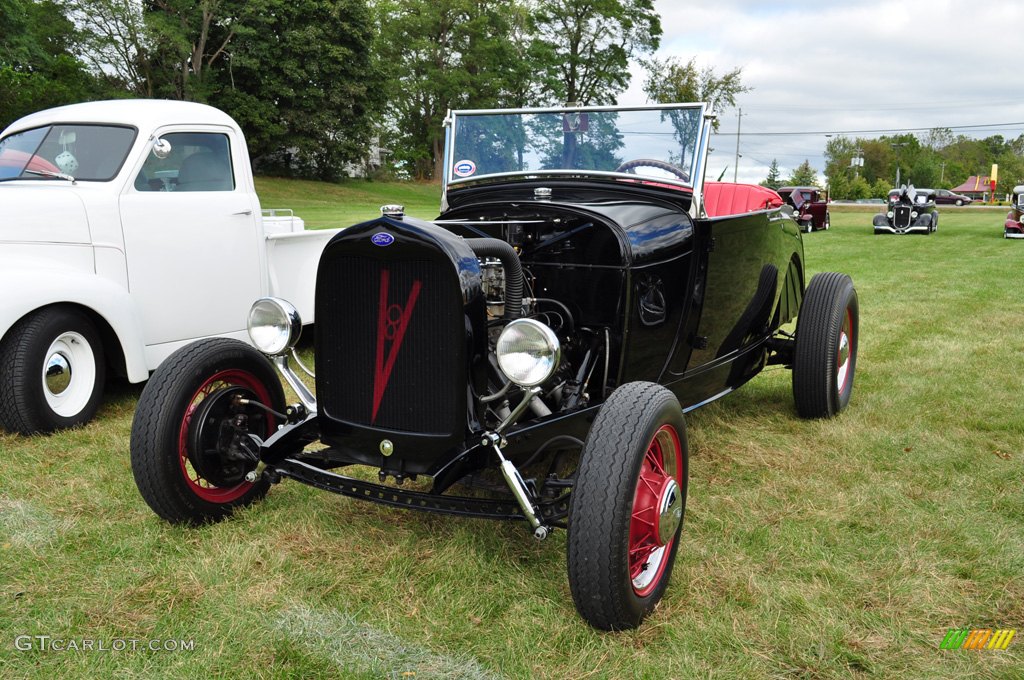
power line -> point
(985, 127)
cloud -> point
(829, 66)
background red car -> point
(947, 197)
(810, 207)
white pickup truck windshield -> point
(84, 152)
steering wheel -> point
(630, 166)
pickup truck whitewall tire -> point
(52, 372)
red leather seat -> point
(728, 198)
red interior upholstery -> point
(727, 198)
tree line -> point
(867, 168)
(315, 83)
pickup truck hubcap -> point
(69, 374)
(657, 511)
(58, 373)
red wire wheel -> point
(657, 510)
(627, 506)
(200, 485)
(180, 433)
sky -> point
(818, 67)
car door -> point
(745, 267)
(194, 258)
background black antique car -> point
(528, 355)
(810, 206)
(909, 210)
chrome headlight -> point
(274, 325)
(889, 214)
(913, 214)
(528, 352)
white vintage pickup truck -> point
(128, 229)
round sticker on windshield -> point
(465, 168)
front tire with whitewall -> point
(626, 508)
(52, 372)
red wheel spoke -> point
(201, 486)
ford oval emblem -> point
(382, 239)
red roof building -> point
(976, 186)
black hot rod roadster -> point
(528, 355)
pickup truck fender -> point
(38, 283)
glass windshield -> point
(85, 152)
(652, 143)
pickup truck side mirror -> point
(161, 148)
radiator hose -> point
(493, 247)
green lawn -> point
(325, 206)
(844, 548)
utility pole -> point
(897, 146)
(736, 165)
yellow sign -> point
(995, 173)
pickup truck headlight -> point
(528, 352)
(274, 325)
(890, 214)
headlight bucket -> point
(274, 325)
(528, 352)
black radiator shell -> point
(400, 339)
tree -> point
(301, 81)
(584, 46)
(774, 178)
(447, 54)
(671, 81)
(804, 175)
(116, 43)
(38, 63)
(880, 189)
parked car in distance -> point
(1012, 227)
(130, 228)
(531, 352)
(947, 197)
(909, 210)
(810, 207)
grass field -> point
(840, 549)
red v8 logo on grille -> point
(392, 322)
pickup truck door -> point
(189, 221)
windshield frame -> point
(699, 150)
(50, 127)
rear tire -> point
(51, 372)
(174, 457)
(627, 506)
(827, 338)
